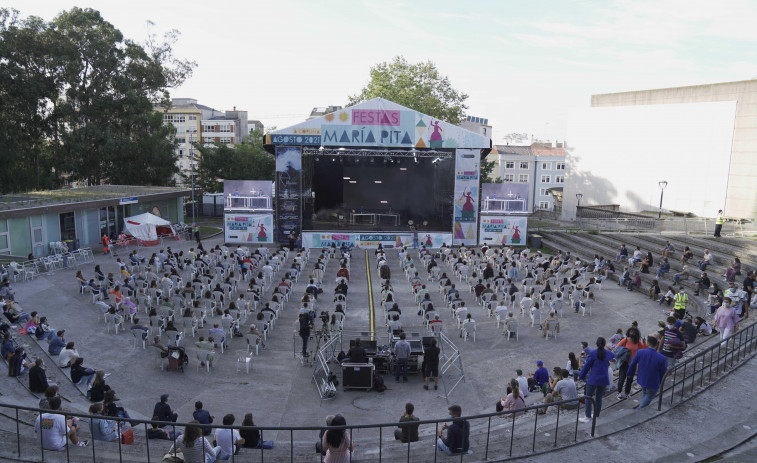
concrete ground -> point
(278, 390)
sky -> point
(524, 64)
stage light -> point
(317, 159)
(372, 161)
(346, 178)
(341, 149)
(403, 168)
(333, 159)
(353, 181)
(320, 149)
(377, 181)
(384, 202)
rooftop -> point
(31, 199)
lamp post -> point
(662, 185)
(578, 197)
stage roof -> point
(378, 123)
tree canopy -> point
(244, 161)
(418, 86)
(76, 101)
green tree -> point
(76, 98)
(29, 83)
(418, 86)
(244, 161)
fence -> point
(297, 447)
(712, 361)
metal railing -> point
(499, 440)
(708, 365)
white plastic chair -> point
(552, 329)
(513, 330)
(253, 340)
(205, 356)
(469, 329)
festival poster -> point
(288, 192)
(503, 230)
(467, 162)
(248, 228)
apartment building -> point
(540, 166)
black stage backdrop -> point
(421, 191)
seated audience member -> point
(38, 378)
(156, 432)
(102, 428)
(252, 436)
(564, 389)
(17, 365)
(53, 428)
(515, 400)
(50, 392)
(407, 432)
(57, 343)
(80, 374)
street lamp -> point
(578, 197)
(662, 185)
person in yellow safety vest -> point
(719, 223)
(680, 302)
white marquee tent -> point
(147, 228)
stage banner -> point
(502, 229)
(372, 240)
(248, 228)
(467, 163)
(288, 192)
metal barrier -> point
(720, 357)
(451, 371)
(491, 442)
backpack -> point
(622, 354)
(378, 383)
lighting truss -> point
(392, 153)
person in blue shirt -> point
(664, 268)
(8, 348)
(652, 367)
(203, 417)
(541, 376)
(596, 366)
(57, 343)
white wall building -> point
(701, 139)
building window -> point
(180, 129)
(559, 179)
(225, 140)
(543, 192)
(509, 178)
(510, 165)
(546, 179)
(208, 128)
(484, 130)
(181, 153)
(192, 117)
(181, 140)
(524, 165)
(523, 178)
(174, 118)
(544, 205)
(560, 166)
(225, 128)
(546, 166)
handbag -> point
(127, 437)
(173, 458)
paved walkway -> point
(279, 391)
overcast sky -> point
(525, 64)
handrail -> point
(737, 346)
(291, 429)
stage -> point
(375, 173)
